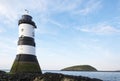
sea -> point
(105, 76)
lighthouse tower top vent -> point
(26, 19)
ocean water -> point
(105, 76)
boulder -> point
(2, 72)
(43, 77)
(62, 77)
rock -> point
(1, 72)
(62, 77)
(43, 77)
(18, 77)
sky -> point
(69, 32)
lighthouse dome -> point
(26, 17)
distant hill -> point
(118, 71)
(80, 68)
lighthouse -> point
(26, 60)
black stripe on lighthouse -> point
(26, 58)
(26, 41)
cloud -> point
(64, 6)
(74, 7)
(9, 12)
(99, 29)
(106, 29)
(50, 26)
(56, 23)
(2, 30)
(90, 6)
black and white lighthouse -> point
(26, 60)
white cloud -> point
(1, 30)
(106, 29)
(9, 10)
(90, 6)
(74, 6)
(56, 23)
(64, 6)
(99, 29)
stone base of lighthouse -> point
(25, 63)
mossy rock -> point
(2, 72)
(80, 68)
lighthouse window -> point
(22, 35)
(33, 34)
(22, 30)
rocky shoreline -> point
(42, 77)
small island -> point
(80, 68)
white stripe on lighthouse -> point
(26, 49)
(26, 30)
